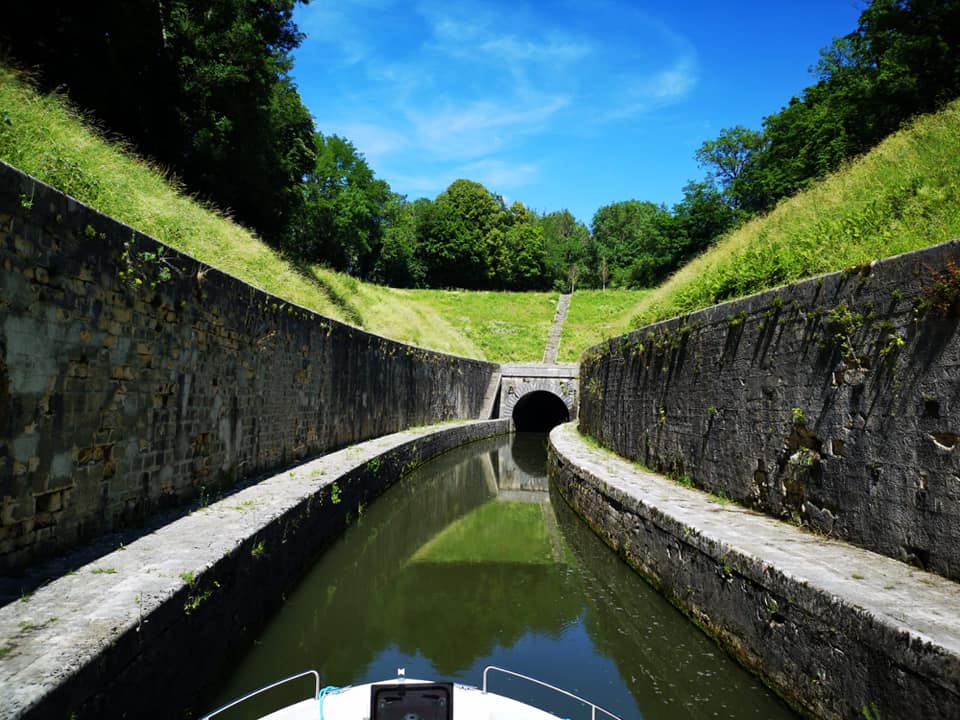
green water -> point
(473, 560)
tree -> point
(903, 59)
(702, 216)
(399, 263)
(345, 209)
(526, 250)
(728, 156)
(454, 254)
(462, 238)
(566, 245)
(201, 86)
(238, 110)
(635, 241)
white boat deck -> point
(353, 703)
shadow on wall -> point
(539, 411)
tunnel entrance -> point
(539, 411)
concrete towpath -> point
(553, 339)
(839, 630)
(137, 632)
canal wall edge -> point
(139, 631)
(836, 630)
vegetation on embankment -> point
(594, 316)
(903, 195)
(47, 138)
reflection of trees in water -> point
(366, 599)
(672, 669)
(320, 623)
(454, 613)
(364, 596)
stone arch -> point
(539, 411)
(548, 384)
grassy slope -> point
(903, 195)
(42, 136)
(46, 138)
(594, 316)
(508, 326)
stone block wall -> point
(133, 377)
(834, 402)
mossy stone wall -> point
(834, 402)
(133, 377)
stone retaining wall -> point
(141, 630)
(833, 402)
(840, 632)
(124, 391)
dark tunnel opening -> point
(539, 411)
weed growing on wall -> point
(797, 417)
(843, 324)
(941, 296)
(195, 597)
(144, 268)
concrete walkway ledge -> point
(838, 631)
(138, 632)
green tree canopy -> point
(636, 241)
(903, 60)
(201, 86)
(526, 251)
(345, 209)
(728, 157)
(567, 246)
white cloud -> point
(553, 50)
(496, 174)
(439, 89)
(482, 127)
(661, 88)
(375, 141)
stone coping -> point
(60, 643)
(909, 616)
(562, 370)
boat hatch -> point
(402, 701)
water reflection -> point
(470, 561)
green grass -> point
(505, 326)
(495, 532)
(596, 315)
(903, 195)
(47, 138)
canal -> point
(473, 560)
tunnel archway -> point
(539, 411)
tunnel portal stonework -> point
(520, 380)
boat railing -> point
(271, 686)
(594, 709)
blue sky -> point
(556, 104)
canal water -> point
(474, 560)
